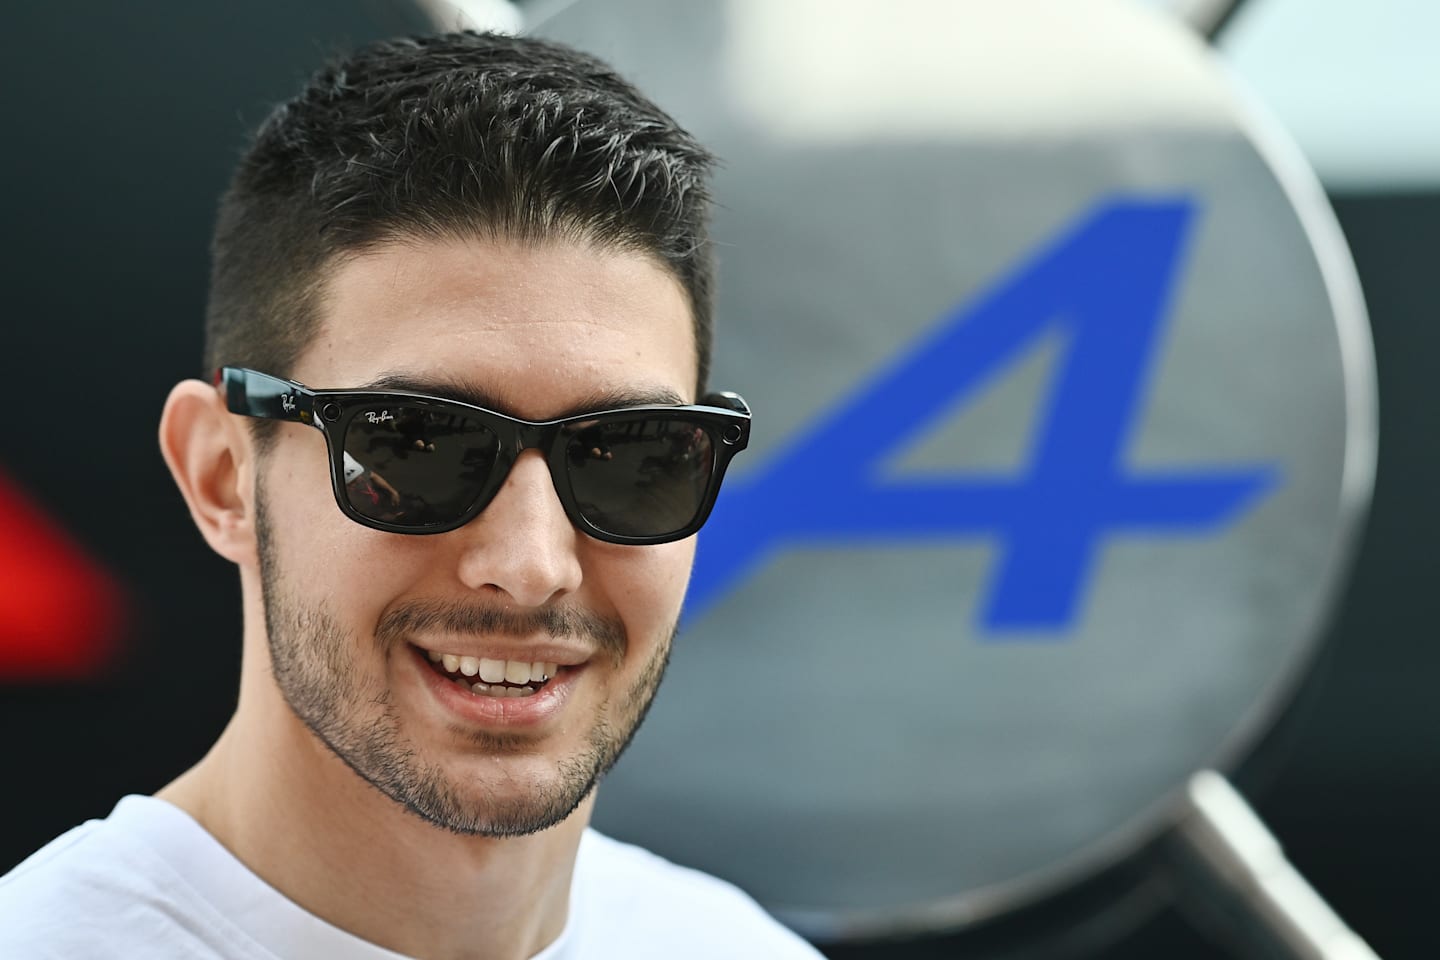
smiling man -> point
(457, 444)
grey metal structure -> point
(855, 728)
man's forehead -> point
(537, 331)
(497, 398)
(449, 269)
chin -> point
(501, 790)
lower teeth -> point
(495, 690)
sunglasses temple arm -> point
(256, 394)
(727, 400)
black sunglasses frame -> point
(724, 417)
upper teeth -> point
(495, 671)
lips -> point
(501, 703)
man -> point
(489, 256)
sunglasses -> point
(409, 463)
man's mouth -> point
(492, 678)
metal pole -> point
(1228, 849)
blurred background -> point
(119, 631)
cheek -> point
(322, 553)
(646, 584)
(297, 481)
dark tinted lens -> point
(416, 466)
(641, 477)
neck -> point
(289, 809)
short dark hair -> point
(466, 134)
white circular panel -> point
(1064, 416)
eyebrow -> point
(445, 388)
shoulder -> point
(625, 890)
(72, 876)
(96, 891)
(68, 866)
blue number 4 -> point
(1106, 284)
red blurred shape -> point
(60, 612)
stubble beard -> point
(311, 657)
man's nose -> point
(522, 544)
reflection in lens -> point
(416, 466)
(641, 477)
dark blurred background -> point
(119, 631)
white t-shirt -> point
(149, 882)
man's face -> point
(354, 615)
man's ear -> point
(208, 453)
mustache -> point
(561, 622)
